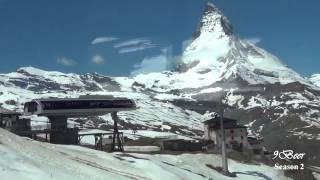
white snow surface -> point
(54, 76)
(23, 158)
(315, 79)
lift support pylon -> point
(116, 146)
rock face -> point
(274, 101)
(213, 20)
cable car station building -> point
(59, 110)
(236, 135)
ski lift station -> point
(58, 110)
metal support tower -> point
(116, 146)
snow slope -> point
(315, 79)
(32, 160)
(54, 76)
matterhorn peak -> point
(216, 52)
(213, 21)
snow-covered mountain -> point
(217, 55)
(315, 79)
(216, 51)
(262, 92)
(29, 83)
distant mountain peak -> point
(28, 68)
(213, 21)
(217, 53)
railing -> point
(100, 140)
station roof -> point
(217, 120)
(79, 107)
(81, 98)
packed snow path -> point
(28, 159)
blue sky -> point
(118, 37)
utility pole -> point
(223, 143)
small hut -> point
(10, 120)
(174, 143)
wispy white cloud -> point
(97, 59)
(254, 40)
(132, 42)
(103, 39)
(65, 61)
(161, 62)
(135, 48)
(133, 45)
(152, 64)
